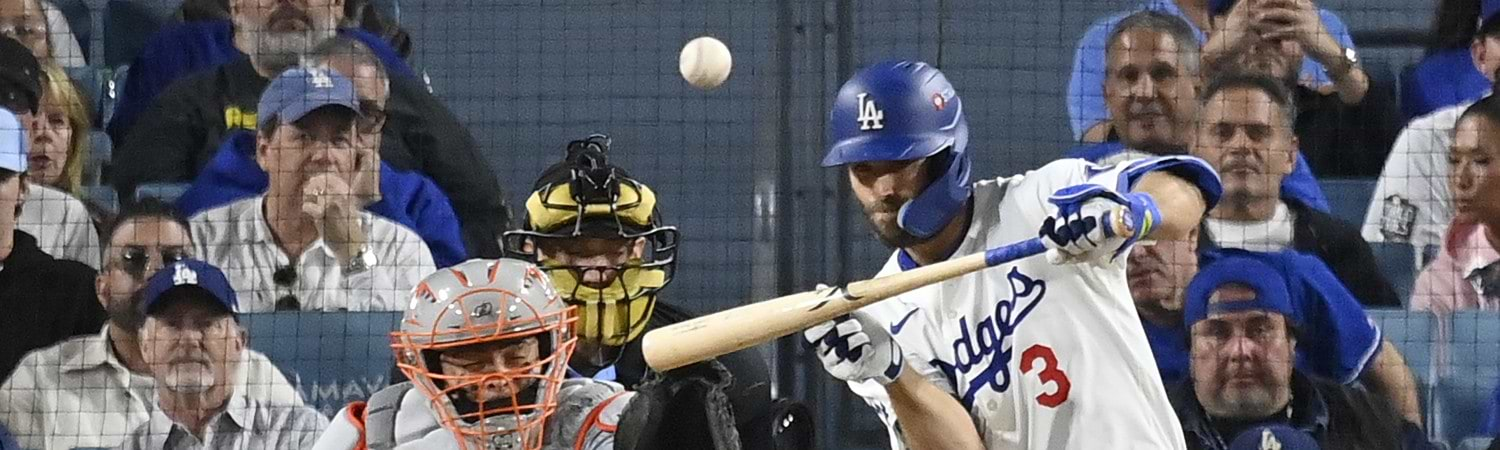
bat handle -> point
(1001, 255)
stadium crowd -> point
(308, 169)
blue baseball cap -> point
(189, 274)
(1489, 12)
(301, 90)
(1274, 437)
(14, 145)
(1267, 282)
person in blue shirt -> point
(1449, 73)
(1088, 114)
(408, 198)
(1152, 90)
(1339, 343)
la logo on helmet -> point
(870, 116)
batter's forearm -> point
(1181, 204)
(929, 417)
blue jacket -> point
(1298, 187)
(407, 198)
(181, 49)
(1441, 80)
(1338, 339)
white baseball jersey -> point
(1043, 356)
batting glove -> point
(1084, 226)
(857, 347)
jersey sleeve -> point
(1120, 177)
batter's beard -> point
(890, 233)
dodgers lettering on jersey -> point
(1041, 355)
(991, 340)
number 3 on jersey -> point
(1050, 374)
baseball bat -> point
(734, 329)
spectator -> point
(20, 80)
(40, 402)
(305, 244)
(1151, 88)
(1411, 203)
(45, 300)
(183, 129)
(1340, 343)
(61, 41)
(1245, 133)
(1449, 74)
(407, 198)
(1466, 274)
(1086, 100)
(26, 22)
(60, 222)
(1246, 332)
(1271, 38)
(192, 343)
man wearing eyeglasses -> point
(307, 244)
(44, 300)
(408, 198)
(41, 402)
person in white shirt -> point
(307, 243)
(59, 147)
(42, 402)
(1411, 203)
(192, 343)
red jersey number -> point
(1050, 374)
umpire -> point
(598, 233)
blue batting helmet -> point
(903, 111)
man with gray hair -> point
(1151, 89)
(181, 132)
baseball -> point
(704, 62)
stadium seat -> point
(92, 82)
(1413, 335)
(1396, 262)
(1473, 371)
(101, 151)
(166, 192)
(1348, 198)
(333, 358)
(104, 197)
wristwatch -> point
(1345, 63)
(362, 261)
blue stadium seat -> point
(1397, 262)
(101, 152)
(1348, 198)
(332, 358)
(110, 96)
(91, 82)
(166, 192)
(103, 196)
(1473, 349)
(1413, 334)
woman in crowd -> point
(52, 212)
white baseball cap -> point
(14, 145)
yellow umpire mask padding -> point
(555, 207)
(616, 314)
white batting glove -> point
(1093, 223)
(1084, 236)
(857, 347)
